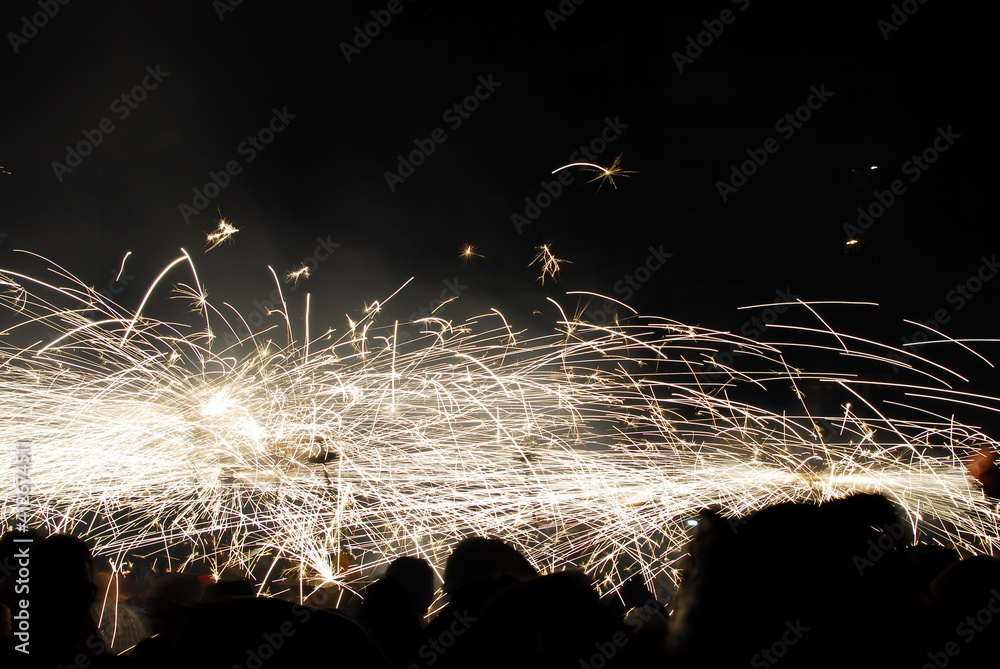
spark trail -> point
(589, 446)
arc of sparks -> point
(604, 173)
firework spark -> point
(589, 447)
(468, 252)
(294, 276)
(549, 263)
(224, 231)
(604, 173)
(121, 269)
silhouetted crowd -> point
(838, 584)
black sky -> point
(893, 91)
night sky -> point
(312, 115)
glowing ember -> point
(469, 252)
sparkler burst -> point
(589, 446)
(469, 252)
(604, 173)
(549, 263)
(294, 276)
(224, 231)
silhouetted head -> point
(481, 559)
(172, 601)
(63, 567)
(966, 586)
(416, 577)
(835, 568)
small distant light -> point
(873, 167)
(691, 522)
(851, 242)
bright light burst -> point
(294, 276)
(590, 446)
(469, 252)
(224, 231)
(604, 173)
